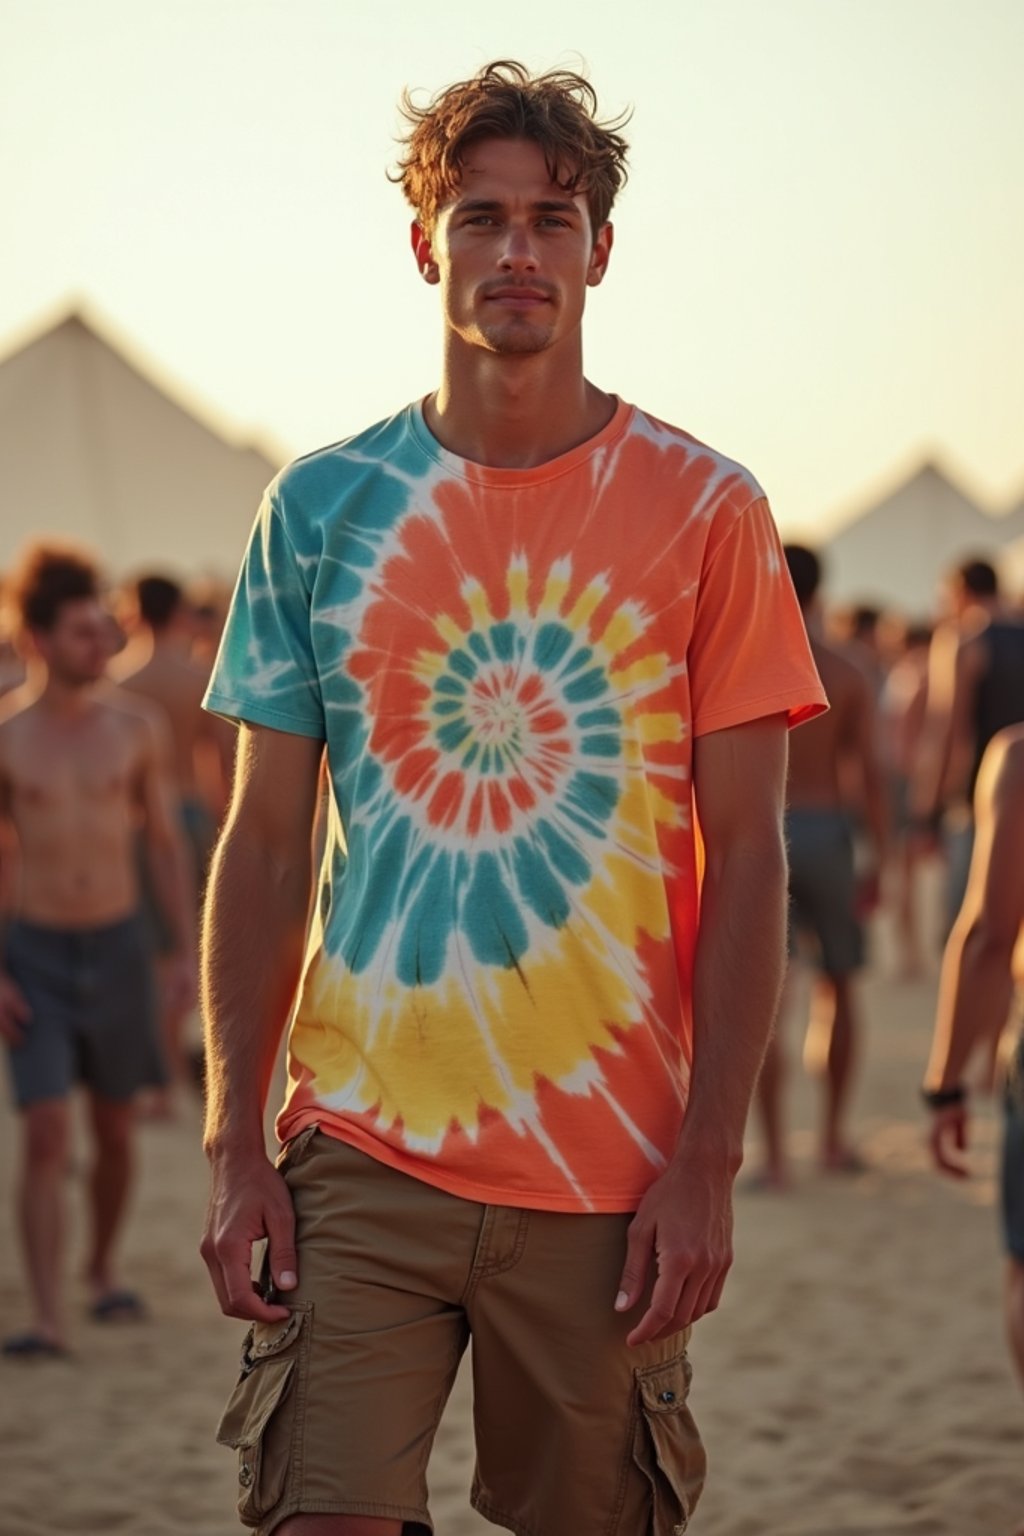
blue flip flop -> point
(32, 1346)
(118, 1307)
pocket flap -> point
(252, 1402)
(264, 1340)
(665, 1388)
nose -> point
(517, 252)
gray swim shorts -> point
(1013, 1158)
(823, 888)
(93, 1010)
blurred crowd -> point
(113, 781)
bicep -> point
(739, 782)
(275, 785)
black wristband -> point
(944, 1098)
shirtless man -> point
(975, 996)
(825, 894)
(78, 774)
(157, 665)
(975, 689)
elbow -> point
(758, 857)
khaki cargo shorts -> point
(336, 1409)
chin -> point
(518, 340)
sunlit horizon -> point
(817, 257)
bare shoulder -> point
(134, 716)
(16, 711)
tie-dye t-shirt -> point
(508, 668)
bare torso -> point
(70, 788)
(818, 749)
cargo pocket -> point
(262, 1417)
(667, 1446)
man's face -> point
(76, 650)
(512, 252)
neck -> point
(514, 412)
(66, 701)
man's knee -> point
(340, 1525)
(47, 1134)
(113, 1125)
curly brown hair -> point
(46, 576)
(557, 110)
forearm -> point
(253, 937)
(975, 992)
(169, 872)
(876, 812)
(738, 977)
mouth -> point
(518, 298)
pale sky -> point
(818, 260)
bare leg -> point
(41, 1210)
(911, 964)
(829, 1053)
(1015, 1311)
(339, 1525)
(770, 1088)
(110, 1185)
(769, 1102)
(159, 1103)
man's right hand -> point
(249, 1200)
(14, 1012)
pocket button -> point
(245, 1475)
(666, 1397)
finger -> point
(706, 1300)
(234, 1260)
(657, 1321)
(943, 1161)
(687, 1308)
(214, 1270)
(639, 1243)
(282, 1257)
(715, 1298)
(243, 1298)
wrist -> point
(233, 1144)
(945, 1097)
(709, 1149)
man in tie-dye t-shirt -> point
(550, 649)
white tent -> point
(895, 552)
(92, 449)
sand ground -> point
(856, 1379)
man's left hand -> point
(948, 1140)
(684, 1224)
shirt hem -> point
(798, 708)
(258, 714)
(289, 1126)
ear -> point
(422, 250)
(599, 256)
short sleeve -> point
(749, 655)
(266, 672)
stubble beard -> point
(514, 338)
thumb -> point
(284, 1263)
(634, 1271)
